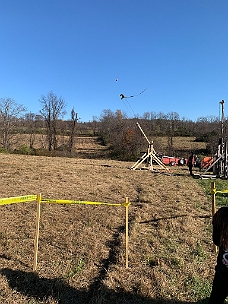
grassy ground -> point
(181, 145)
(81, 256)
(90, 147)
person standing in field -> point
(220, 238)
(191, 161)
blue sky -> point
(176, 49)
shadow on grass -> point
(31, 285)
(155, 220)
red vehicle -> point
(173, 161)
(207, 162)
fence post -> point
(213, 192)
(36, 240)
(127, 205)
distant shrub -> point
(42, 152)
(23, 149)
(3, 150)
(206, 137)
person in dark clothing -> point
(191, 161)
(220, 238)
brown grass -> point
(89, 146)
(181, 145)
(85, 143)
(81, 255)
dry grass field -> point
(184, 144)
(90, 147)
(81, 256)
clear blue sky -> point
(177, 49)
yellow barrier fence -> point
(38, 198)
(18, 199)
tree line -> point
(115, 130)
(15, 120)
(126, 140)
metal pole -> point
(223, 162)
(222, 122)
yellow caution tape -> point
(222, 192)
(126, 204)
(18, 199)
(213, 191)
(53, 201)
(29, 198)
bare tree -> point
(172, 119)
(31, 127)
(120, 135)
(53, 108)
(10, 112)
